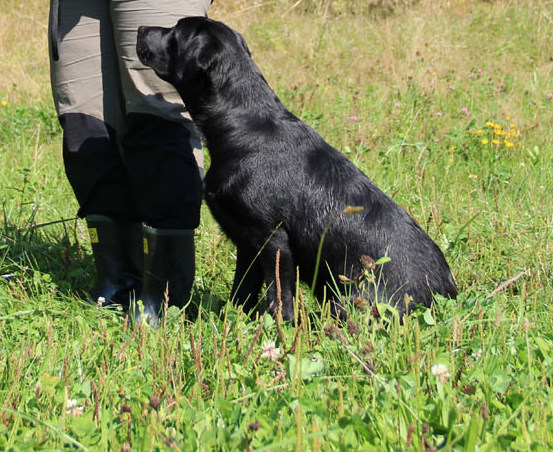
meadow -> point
(448, 107)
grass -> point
(410, 91)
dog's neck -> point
(231, 110)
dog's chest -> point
(226, 205)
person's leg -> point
(160, 141)
(119, 259)
(89, 101)
(159, 145)
(88, 98)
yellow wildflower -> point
(496, 141)
(484, 141)
(490, 124)
(509, 144)
(4, 103)
(479, 132)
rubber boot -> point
(169, 266)
(117, 251)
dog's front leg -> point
(277, 263)
(248, 279)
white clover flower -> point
(73, 409)
(441, 372)
(270, 351)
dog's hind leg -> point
(248, 279)
(278, 267)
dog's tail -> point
(54, 29)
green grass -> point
(470, 374)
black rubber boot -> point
(169, 266)
(117, 250)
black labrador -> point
(287, 199)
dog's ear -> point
(199, 55)
(208, 51)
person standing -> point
(130, 151)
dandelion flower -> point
(496, 141)
(4, 103)
(270, 351)
(490, 124)
(479, 132)
(485, 141)
(509, 144)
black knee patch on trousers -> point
(94, 167)
(149, 174)
(164, 176)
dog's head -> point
(193, 54)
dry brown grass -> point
(309, 45)
(295, 49)
(24, 74)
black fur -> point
(54, 29)
(274, 184)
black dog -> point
(277, 188)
